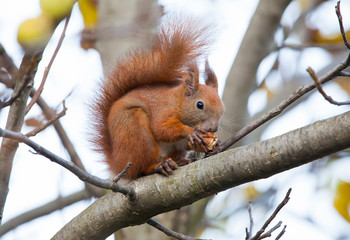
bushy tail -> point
(178, 43)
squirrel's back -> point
(178, 43)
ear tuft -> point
(191, 80)
(210, 79)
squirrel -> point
(151, 106)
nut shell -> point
(210, 138)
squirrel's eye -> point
(200, 105)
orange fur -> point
(147, 105)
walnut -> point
(210, 138)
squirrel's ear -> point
(210, 78)
(191, 80)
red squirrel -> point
(151, 106)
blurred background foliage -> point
(308, 36)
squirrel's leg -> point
(132, 141)
(165, 167)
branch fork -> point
(260, 234)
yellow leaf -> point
(57, 9)
(35, 32)
(341, 200)
(318, 37)
(305, 4)
(88, 9)
(264, 87)
(251, 192)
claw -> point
(196, 138)
(166, 167)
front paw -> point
(207, 143)
(196, 141)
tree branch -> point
(341, 26)
(281, 233)
(15, 120)
(320, 89)
(337, 71)
(251, 223)
(7, 63)
(51, 114)
(47, 69)
(169, 232)
(258, 41)
(49, 122)
(82, 175)
(57, 204)
(19, 91)
(282, 106)
(259, 235)
(157, 194)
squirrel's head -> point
(201, 107)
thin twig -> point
(299, 47)
(48, 123)
(57, 204)
(28, 76)
(280, 107)
(7, 62)
(268, 233)
(320, 89)
(281, 233)
(273, 215)
(122, 174)
(15, 95)
(251, 221)
(344, 74)
(337, 71)
(169, 232)
(246, 234)
(6, 79)
(68, 145)
(47, 69)
(341, 26)
(82, 175)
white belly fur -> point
(168, 148)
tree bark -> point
(156, 194)
(15, 121)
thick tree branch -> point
(15, 120)
(156, 194)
